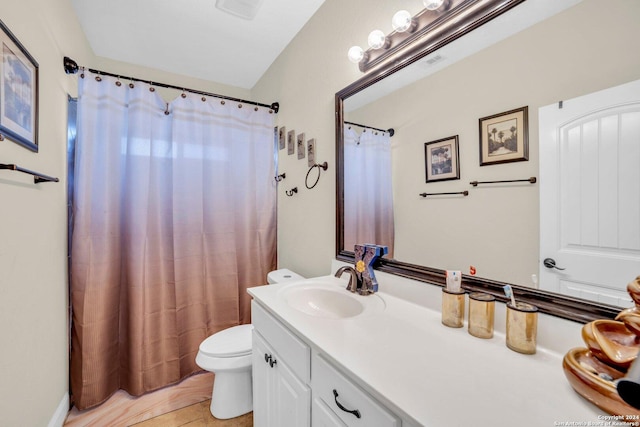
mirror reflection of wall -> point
(585, 48)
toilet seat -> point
(231, 342)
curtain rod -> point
(71, 67)
(390, 130)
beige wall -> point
(314, 66)
(305, 78)
(33, 249)
(495, 226)
(33, 218)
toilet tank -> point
(283, 275)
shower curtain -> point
(173, 219)
(368, 192)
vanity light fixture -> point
(377, 39)
(428, 28)
(432, 4)
(356, 53)
(402, 21)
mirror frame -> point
(566, 307)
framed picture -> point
(504, 137)
(281, 138)
(311, 152)
(301, 146)
(291, 144)
(18, 92)
(442, 159)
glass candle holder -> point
(522, 327)
(453, 308)
(481, 314)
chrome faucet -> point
(353, 284)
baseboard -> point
(57, 420)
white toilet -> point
(228, 355)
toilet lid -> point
(231, 342)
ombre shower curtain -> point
(173, 219)
(368, 190)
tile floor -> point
(197, 415)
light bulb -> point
(401, 21)
(376, 39)
(355, 54)
(432, 4)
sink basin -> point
(329, 300)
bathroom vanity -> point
(323, 356)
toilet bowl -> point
(228, 355)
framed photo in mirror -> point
(18, 92)
(442, 159)
(504, 137)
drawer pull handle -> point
(267, 358)
(272, 362)
(354, 412)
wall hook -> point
(292, 191)
(280, 177)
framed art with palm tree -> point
(504, 137)
(442, 159)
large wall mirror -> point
(537, 53)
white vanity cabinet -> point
(281, 374)
(285, 375)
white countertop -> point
(437, 376)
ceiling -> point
(193, 37)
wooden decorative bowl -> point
(611, 342)
(583, 370)
(631, 319)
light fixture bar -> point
(435, 28)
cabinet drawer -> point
(323, 416)
(289, 347)
(327, 381)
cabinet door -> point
(323, 416)
(292, 398)
(280, 399)
(261, 406)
